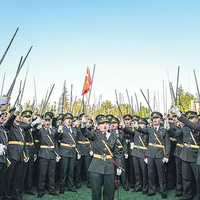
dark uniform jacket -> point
(17, 134)
(99, 165)
(137, 137)
(29, 141)
(4, 142)
(163, 136)
(189, 154)
(44, 134)
(179, 139)
(83, 144)
(65, 138)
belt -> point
(29, 143)
(67, 145)
(173, 139)
(179, 145)
(139, 147)
(46, 147)
(36, 141)
(16, 142)
(102, 157)
(191, 146)
(82, 142)
(157, 145)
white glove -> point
(43, 121)
(57, 159)
(131, 145)
(119, 172)
(91, 153)
(176, 111)
(34, 157)
(78, 156)
(146, 160)
(26, 159)
(168, 126)
(36, 122)
(123, 124)
(126, 156)
(76, 123)
(165, 160)
(136, 126)
(17, 110)
(2, 152)
(60, 128)
(84, 122)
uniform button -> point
(105, 148)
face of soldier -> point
(2, 119)
(27, 119)
(142, 125)
(17, 119)
(175, 119)
(4, 107)
(127, 122)
(104, 127)
(68, 122)
(156, 121)
(47, 123)
(194, 119)
(114, 126)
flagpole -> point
(91, 87)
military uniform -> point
(102, 169)
(190, 164)
(84, 148)
(47, 156)
(4, 160)
(139, 147)
(68, 153)
(17, 150)
(158, 148)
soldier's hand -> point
(91, 153)
(17, 110)
(78, 156)
(35, 157)
(126, 156)
(57, 158)
(2, 151)
(84, 122)
(136, 126)
(146, 160)
(165, 160)
(123, 124)
(176, 111)
(26, 159)
(119, 171)
(36, 122)
(131, 145)
(60, 128)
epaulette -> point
(178, 125)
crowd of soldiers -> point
(140, 153)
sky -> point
(134, 45)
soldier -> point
(47, 155)
(31, 151)
(129, 164)
(139, 147)
(68, 152)
(189, 153)
(157, 153)
(175, 126)
(84, 147)
(102, 169)
(121, 139)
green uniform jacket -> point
(101, 166)
(163, 136)
(65, 137)
(44, 134)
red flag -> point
(87, 82)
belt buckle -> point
(137, 146)
(71, 145)
(103, 157)
(30, 144)
(188, 145)
(154, 144)
(49, 147)
(20, 143)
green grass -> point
(85, 194)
